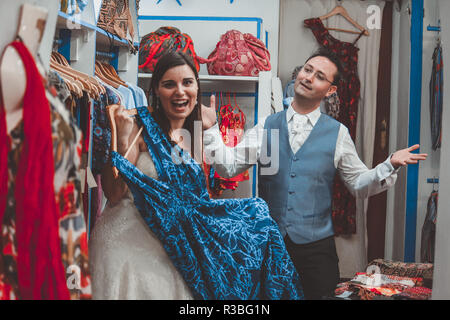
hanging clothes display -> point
(429, 229)
(39, 162)
(344, 204)
(119, 92)
(436, 97)
(224, 249)
(78, 89)
(83, 93)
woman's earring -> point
(158, 103)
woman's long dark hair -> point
(166, 62)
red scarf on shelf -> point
(39, 265)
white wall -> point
(9, 17)
(398, 132)
(395, 226)
(206, 34)
(441, 281)
(430, 167)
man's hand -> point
(209, 114)
(404, 157)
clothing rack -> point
(112, 56)
(109, 55)
(238, 94)
(435, 28)
(57, 42)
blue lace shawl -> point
(224, 249)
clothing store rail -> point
(109, 55)
(237, 94)
(433, 28)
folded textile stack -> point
(404, 269)
(389, 280)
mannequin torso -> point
(12, 72)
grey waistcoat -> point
(299, 195)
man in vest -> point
(299, 151)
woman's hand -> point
(209, 113)
(124, 125)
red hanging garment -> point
(231, 126)
(344, 204)
(40, 270)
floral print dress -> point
(72, 226)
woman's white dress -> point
(126, 259)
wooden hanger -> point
(109, 68)
(60, 58)
(77, 87)
(65, 74)
(105, 80)
(96, 85)
(107, 73)
(111, 109)
(89, 84)
(99, 72)
(339, 9)
(110, 73)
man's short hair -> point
(323, 52)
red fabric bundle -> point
(166, 39)
(231, 127)
(40, 268)
(238, 54)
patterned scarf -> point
(224, 249)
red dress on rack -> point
(344, 204)
(43, 232)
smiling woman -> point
(161, 236)
(176, 93)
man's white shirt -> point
(361, 181)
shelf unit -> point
(212, 77)
(253, 94)
(81, 39)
